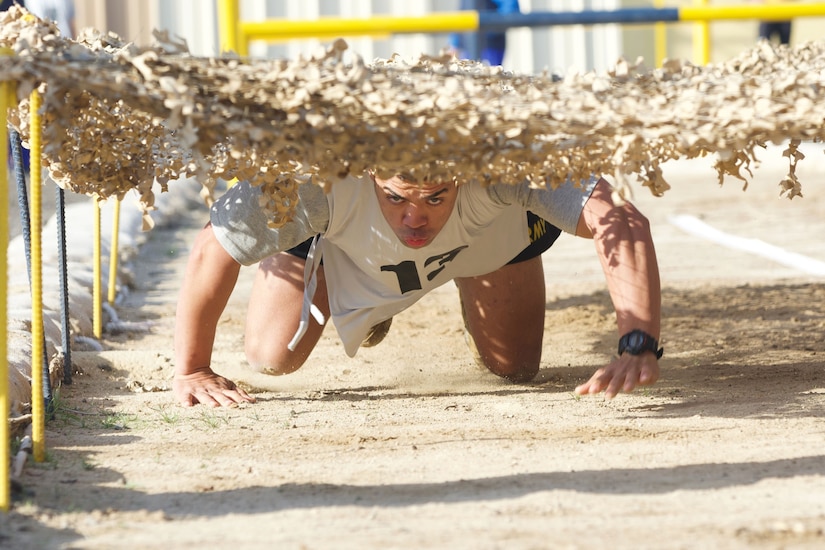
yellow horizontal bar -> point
(275, 38)
(765, 12)
(283, 29)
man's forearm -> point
(208, 282)
(632, 276)
(625, 249)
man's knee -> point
(273, 362)
(519, 367)
(517, 370)
(519, 373)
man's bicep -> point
(596, 207)
(583, 227)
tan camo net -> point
(118, 117)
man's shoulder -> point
(475, 188)
(351, 185)
(493, 193)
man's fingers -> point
(239, 394)
(233, 395)
(648, 376)
(615, 385)
(631, 379)
(230, 397)
(619, 377)
(226, 401)
(594, 385)
(244, 395)
(205, 398)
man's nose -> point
(414, 218)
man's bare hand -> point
(207, 388)
(623, 374)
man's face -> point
(416, 213)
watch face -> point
(635, 342)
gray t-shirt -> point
(241, 225)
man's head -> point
(416, 212)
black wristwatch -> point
(636, 342)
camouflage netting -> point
(119, 117)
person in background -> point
(779, 29)
(59, 11)
(6, 4)
(488, 47)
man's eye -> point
(435, 201)
(395, 200)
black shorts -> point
(542, 236)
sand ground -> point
(409, 445)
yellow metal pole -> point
(700, 11)
(228, 20)
(242, 42)
(97, 323)
(659, 37)
(333, 27)
(38, 407)
(701, 37)
(113, 253)
(6, 101)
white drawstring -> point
(310, 284)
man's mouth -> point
(415, 241)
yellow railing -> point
(236, 33)
(7, 95)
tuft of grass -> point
(117, 421)
(212, 418)
(49, 461)
(59, 410)
(167, 415)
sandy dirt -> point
(409, 445)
